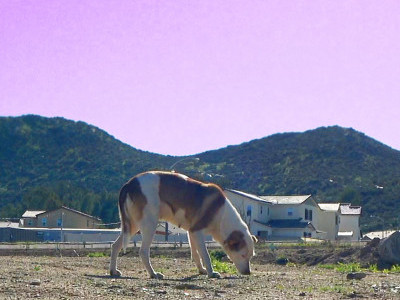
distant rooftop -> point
(247, 195)
(273, 199)
(347, 209)
(286, 199)
(32, 213)
(329, 206)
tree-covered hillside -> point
(46, 162)
(333, 164)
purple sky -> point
(182, 77)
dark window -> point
(249, 211)
(310, 214)
(290, 211)
(306, 214)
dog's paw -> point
(115, 273)
(214, 275)
(157, 276)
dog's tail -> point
(124, 216)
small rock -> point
(35, 282)
(358, 276)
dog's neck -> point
(230, 220)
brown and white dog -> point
(192, 205)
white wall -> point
(350, 223)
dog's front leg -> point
(195, 255)
(197, 237)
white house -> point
(349, 225)
(278, 217)
(296, 217)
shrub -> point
(282, 260)
(97, 254)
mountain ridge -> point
(80, 165)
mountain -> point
(46, 162)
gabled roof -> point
(287, 223)
(347, 209)
(247, 195)
(329, 206)
(286, 199)
(32, 213)
(72, 210)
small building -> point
(29, 218)
(62, 217)
(278, 217)
(349, 226)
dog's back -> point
(173, 197)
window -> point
(308, 214)
(261, 209)
(44, 222)
(290, 211)
(248, 211)
(59, 222)
(30, 223)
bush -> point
(97, 254)
(281, 260)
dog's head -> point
(240, 248)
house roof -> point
(347, 209)
(345, 233)
(298, 199)
(72, 210)
(286, 199)
(32, 213)
(8, 224)
(287, 223)
(247, 195)
(329, 206)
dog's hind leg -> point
(148, 229)
(195, 255)
(198, 241)
(116, 248)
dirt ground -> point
(52, 276)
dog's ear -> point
(254, 238)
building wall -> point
(327, 223)
(29, 222)
(66, 219)
(259, 211)
(350, 223)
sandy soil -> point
(73, 277)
